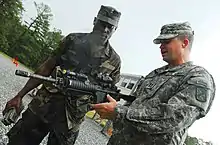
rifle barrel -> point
(35, 76)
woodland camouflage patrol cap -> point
(109, 14)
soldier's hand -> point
(14, 102)
(106, 110)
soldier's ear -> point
(185, 43)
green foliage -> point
(31, 42)
(10, 16)
(191, 141)
(195, 141)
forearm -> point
(31, 84)
(173, 119)
(44, 70)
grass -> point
(5, 55)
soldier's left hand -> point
(106, 110)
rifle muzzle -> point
(22, 73)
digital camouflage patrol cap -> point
(109, 14)
(173, 30)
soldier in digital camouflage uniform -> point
(52, 112)
(169, 100)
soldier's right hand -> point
(14, 102)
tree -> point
(195, 141)
(10, 18)
(31, 42)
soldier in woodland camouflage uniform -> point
(52, 112)
(168, 101)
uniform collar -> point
(168, 68)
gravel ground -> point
(10, 84)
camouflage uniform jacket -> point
(168, 101)
(75, 55)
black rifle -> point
(70, 83)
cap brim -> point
(164, 37)
(108, 20)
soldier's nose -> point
(106, 30)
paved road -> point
(11, 84)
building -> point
(128, 84)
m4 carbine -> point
(71, 83)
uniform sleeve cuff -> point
(121, 112)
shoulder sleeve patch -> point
(201, 94)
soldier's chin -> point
(104, 39)
(165, 59)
